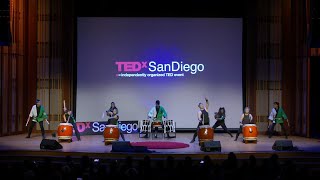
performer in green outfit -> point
(277, 115)
(69, 118)
(156, 113)
(38, 114)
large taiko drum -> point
(205, 133)
(111, 133)
(156, 123)
(65, 131)
(250, 132)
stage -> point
(92, 145)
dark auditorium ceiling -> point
(158, 8)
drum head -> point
(112, 126)
(65, 124)
(205, 126)
(249, 125)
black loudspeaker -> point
(50, 144)
(283, 145)
(125, 146)
(211, 146)
(121, 146)
(142, 149)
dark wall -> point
(315, 97)
(160, 8)
(5, 34)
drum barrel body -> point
(65, 131)
(205, 133)
(250, 132)
(111, 133)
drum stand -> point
(145, 127)
(250, 140)
(169, 127)
(160, 131)
(69, 140)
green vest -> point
(161, 113)
(281, 115)
(42, 115)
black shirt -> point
(205, 117)
(157, 109)
(38, 110)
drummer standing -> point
(156, 113)
(69, 118)
(277, 115)
(246, 118)
(38, 114)
(113, 118)
(203, 118)
(220, 116)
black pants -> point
(74, 124)
(271, 129)
(196, 133)
(41, 127)
(223, 125)
(239, 132)
(113, 121)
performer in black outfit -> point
(220, 116)
(112, 112)
(69, 118)
(203, 118)
(246, 118)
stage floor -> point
(93, 145)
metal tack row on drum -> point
(206, 133)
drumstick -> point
(64, 105)
(27, 121)
(68, 119)
(47, 121)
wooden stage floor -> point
(18, 145)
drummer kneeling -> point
(68, 118)
(246, 118)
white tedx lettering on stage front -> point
(97, 128)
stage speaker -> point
(121, 146)
(283, 145)
(125, 146)
(211, 146)
(142, 149)
(50, 144)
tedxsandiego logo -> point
(154, 69)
